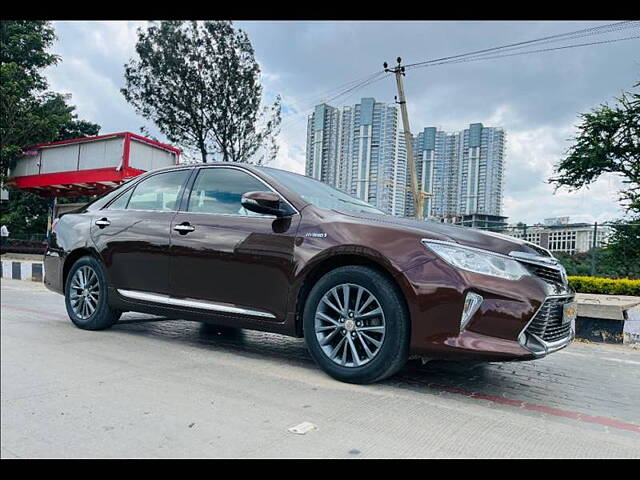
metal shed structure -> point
(89, 165)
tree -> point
(30, 114)
(23, 54)
(199, 83)
(624, 247)
(619, 258)
(608, 141)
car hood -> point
(470, 237)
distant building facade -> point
(564, 237)
(322, 143)
(463, 172)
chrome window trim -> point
(234, 167)
(200, 304)
(139, 210)
(257, 215)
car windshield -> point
(320, 194)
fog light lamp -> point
(471, 304)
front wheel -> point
(86, 296)
(356, 325)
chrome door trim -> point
(201, 304)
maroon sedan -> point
(265, 249)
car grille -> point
(547, 324)
(550, 275)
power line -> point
(551, 38)
(543, 42)
(464, 60)
(347, 93)
(348, 89)
(310, 102)
(326, 93)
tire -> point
(390, 329)
(92, 313)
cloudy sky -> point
(536, 98)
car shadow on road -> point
(558, 381)
(494, 378)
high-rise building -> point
(360, 150)
(322, 143)
(462, 172)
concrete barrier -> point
(608, 318)
(22, 268)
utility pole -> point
(418, 194)
(593, 249)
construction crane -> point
(423, 195)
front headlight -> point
(478, 261)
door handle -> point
(184, 228)
(103, 222)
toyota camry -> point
(261, 248)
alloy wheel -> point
(84, 293)
(349, 325)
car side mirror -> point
(268, 203)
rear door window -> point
(159, 192)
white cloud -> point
(535, 99)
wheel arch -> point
(331, 262)
(73, 257)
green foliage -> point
(24, 213)
(619, 259)
(200, 84)
(608, 141)
(624, 247)
(30, 114)
(579, 263)
(605, 286)
(23, 53)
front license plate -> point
(569, 312)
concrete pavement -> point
(163, 388)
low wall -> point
(22, 269)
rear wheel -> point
(86, 296)
(356, 325)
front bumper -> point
(501, 329)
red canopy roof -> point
(91, 181)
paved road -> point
(150, 387)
